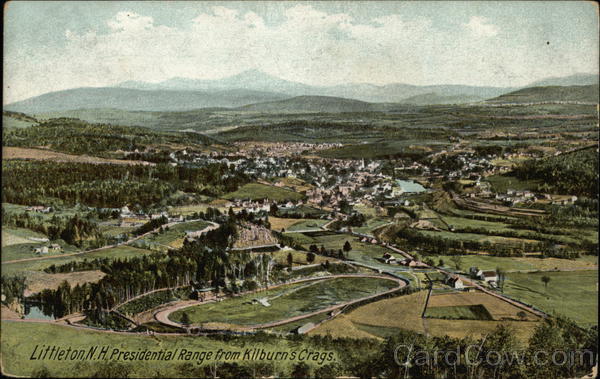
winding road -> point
(162, 316)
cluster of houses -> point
(512, 197)
(490, 277)
(388, 258)
(39, 209)
(131, 219)
(52, 248)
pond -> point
(35, 311)
(410, 186)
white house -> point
(455, 281)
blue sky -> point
(58, 45)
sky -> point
(51, 46)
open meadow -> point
(258, 191)
(573, 294)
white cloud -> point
(308, 45)
(481, 26)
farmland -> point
(486, 262)
(381, 318)
(573, 294)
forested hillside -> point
(79, 137)
(34, 182)
(570, 173)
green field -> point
(307, 225)
(176, 233)
(460, 312)
(456, 236)
(573, 294)
(25, 250)
(38, 265)
(488, 262)
(501, 183)
(19, 340)
(361, 251)
(258, 191)
(286, 301)
(15, 236)
(371, 224)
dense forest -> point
(574, 173)
(111, 186)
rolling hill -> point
(140, 100)
(314, 104)
(583, 94)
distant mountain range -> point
(260, 81)
(141, 100)
(257, 91)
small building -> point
(455, 281)
(489, 276)
(388, 258)
(409, 262)
(41, 250)
(475, 272)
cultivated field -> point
(498, 309)
(49, 155)
(38, 280)
(488, 262)
(384, 317)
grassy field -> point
(501, 183)
(38, 280)
(487, 262)
(286, 301)
(25, 250)
(478, 237)
(176, 234)
(42, 154)
(459, 312)
(372, 224)
(16, 236)
(257, 191)
(496, 308)
(382, 318)
(296, 184)
(361, 251)
(278, 223)
(19, 340)
(299, 257)
(571, 294)
(38, 265)
(308, 224)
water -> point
(410, 186)
(35, 312)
